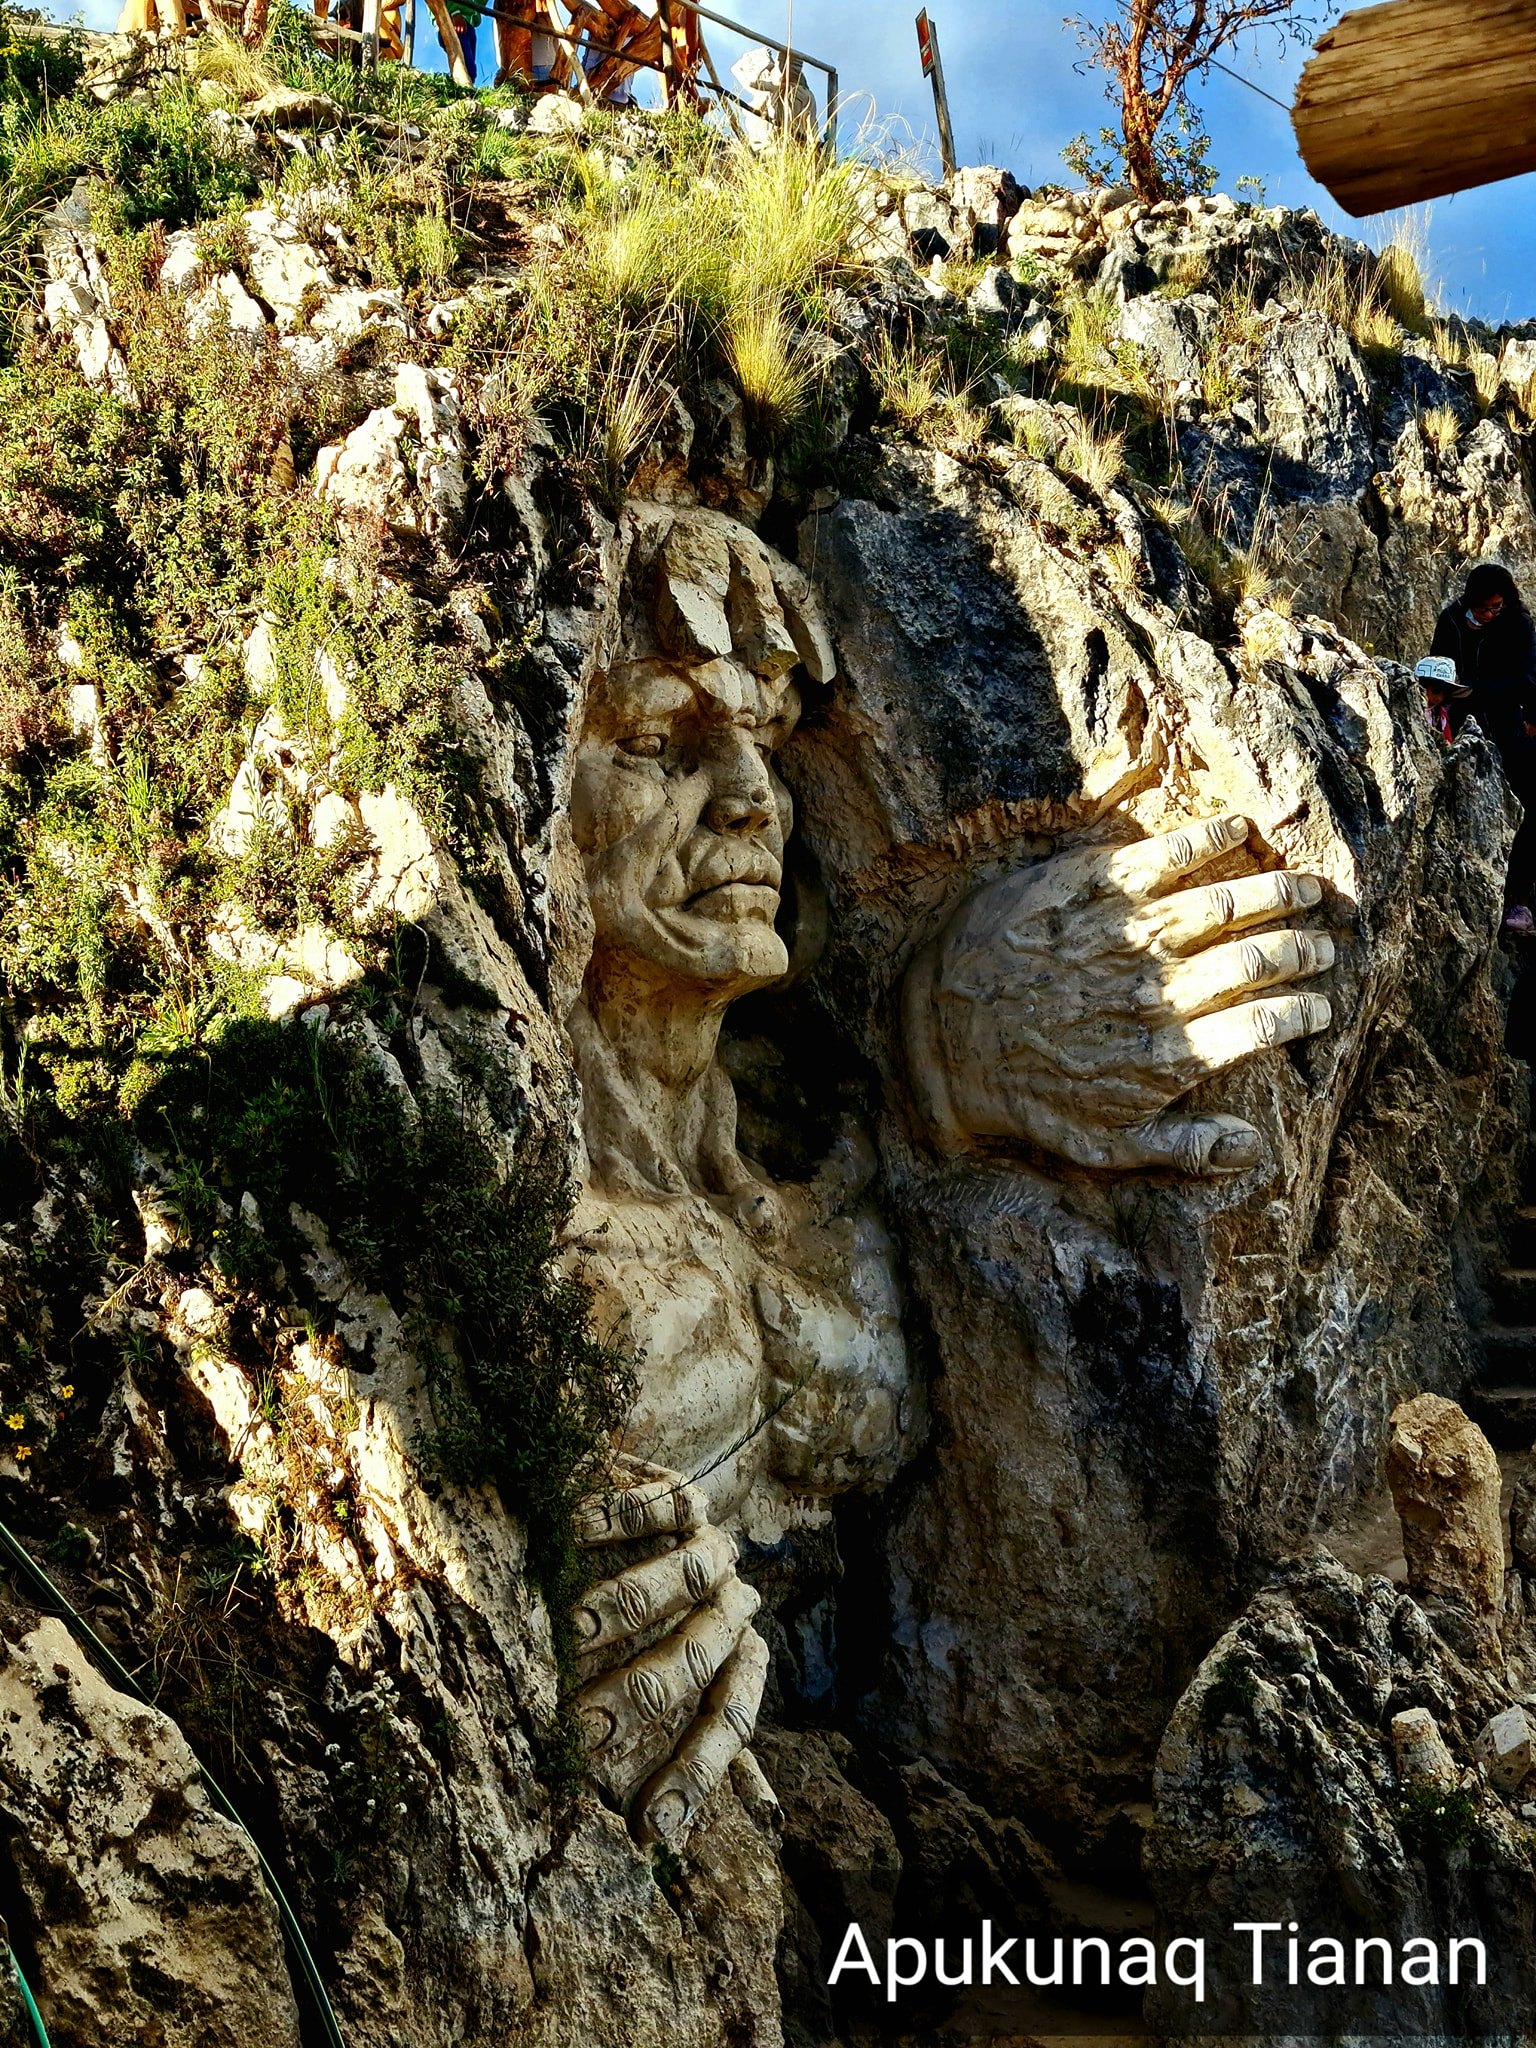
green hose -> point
(31, 2004)
(118, 1672)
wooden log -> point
(1418, 98)
(453, 49)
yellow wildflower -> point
(66, 1393)
(21, 1451)
(16, 1421)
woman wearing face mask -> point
(1487, 633)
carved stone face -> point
(681, 821)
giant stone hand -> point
(1071, 1004)
(679, 1671)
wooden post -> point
(371, 33)
(1417, 98)
(459, 70)
(933, 67)
(668, 53)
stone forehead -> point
(714, 591)
(661, 689)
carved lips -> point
(734, 882)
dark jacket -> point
(1497, 662)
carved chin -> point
(724, 935)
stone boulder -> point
(1445, 1485)
(1174, 336)
(140, 1898)
(403, 469)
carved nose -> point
(740, 813)
(742, 802)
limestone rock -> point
(1277, 1796)
(1445, 1486)
(403, 468)
(77, 300)
(144, 1901)
(840, 1851)
(286, 271)
(226, 301)
(1173, 335)
(1506, 1749)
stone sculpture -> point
(1069, 1004)
(1066, 1007)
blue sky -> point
(1017, 98)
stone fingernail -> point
(1309, 889)
(1234, 1150)
(1235, 828)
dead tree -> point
(1149, 51)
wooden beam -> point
(453, 49)
(1418, 98)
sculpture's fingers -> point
(661, 1507)
(1212, 978)
(672, 1800)
(1182, 923)
(1187, 1053)
(1189, 1144)
(646, 1593)
(1155, 864)
(624, 1703)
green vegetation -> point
(1231, 1692)
(525, 1394)
(149, 532)
(1433, 1823)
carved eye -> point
(644, 746)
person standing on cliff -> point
(1487, 632)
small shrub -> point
(1231, 1692)
(1433, 1822)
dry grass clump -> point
(1095, 457)
(1355, 298)
(741, 245)
(908, 381)
(1234, 574)
(1440, 428)
(775, 362)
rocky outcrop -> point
(1019, 1012)
(144, 1900)
(1292, 1785)
(1099, 1416)
(1445, 1485)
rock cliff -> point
(749, 1036)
